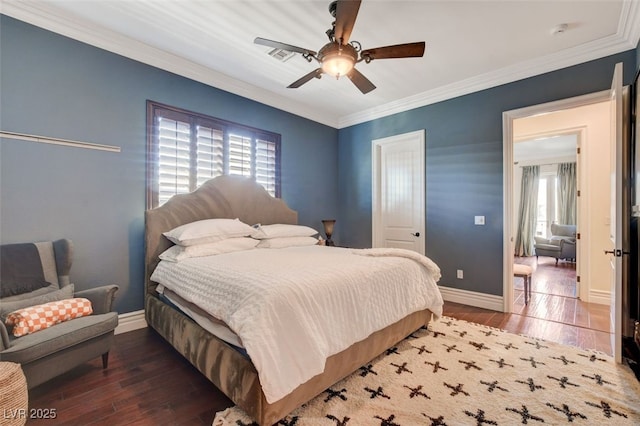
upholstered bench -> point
(524, 272)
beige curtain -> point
(567, 193)
(528, 211)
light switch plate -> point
(479, 220)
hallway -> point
(553, 298)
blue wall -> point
(58, 87)
(54, 86)
(463, 168)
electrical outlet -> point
(478, 220)
(459, 274)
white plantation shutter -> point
(266, 165)
(240, 158)
(209, 154)
(186, 149)
(174, 140)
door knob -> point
(617, 252)
(416, 234)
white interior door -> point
(399, 192)
(616, 224)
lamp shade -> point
(337, 65)
(337, 59)
(328, 229)
(328, 226)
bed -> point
(228, 368)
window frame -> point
(194, 119)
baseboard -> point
(472, 298)
(131, 321)
(601, 297)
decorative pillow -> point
(35, 318)
(178, 253)
(7, 307)
(283, 242)
(208, 231)
(279, 230)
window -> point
(186, 149)
(547, 212)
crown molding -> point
(626, 38)
(50, 18)
(629, 24)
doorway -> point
(398, 192)
(586, 119)
(555, 281)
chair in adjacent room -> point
(561, 245)
(35, 279)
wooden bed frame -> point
(229, 370)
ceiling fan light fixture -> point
(337, 66)
(337, 60)
(340, 55)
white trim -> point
(507, 154)
(472, 298)
(376, 210)
(601, 297)
(131, 321)
(52, 19)
(58, 141)
(507, 210)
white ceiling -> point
(546, 148)
(471, 45)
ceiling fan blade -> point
(315, 73)
(346, 13)
(283, 46)
(407, 50)
(360, 81)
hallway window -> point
(547, 212)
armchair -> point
(561, 245)
(36, 273)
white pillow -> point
(208, 231)
(281, 230)
(178, 253)
(283, 242)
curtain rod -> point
(547, 164)
(57, 141)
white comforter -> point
(295, 307)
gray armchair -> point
(37, 273)
(561, 245)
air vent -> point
(282, 55)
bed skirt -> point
(234, 374)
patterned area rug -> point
(459, 373)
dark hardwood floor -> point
(149, 383)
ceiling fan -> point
(338, 57)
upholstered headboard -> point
(227, 197)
